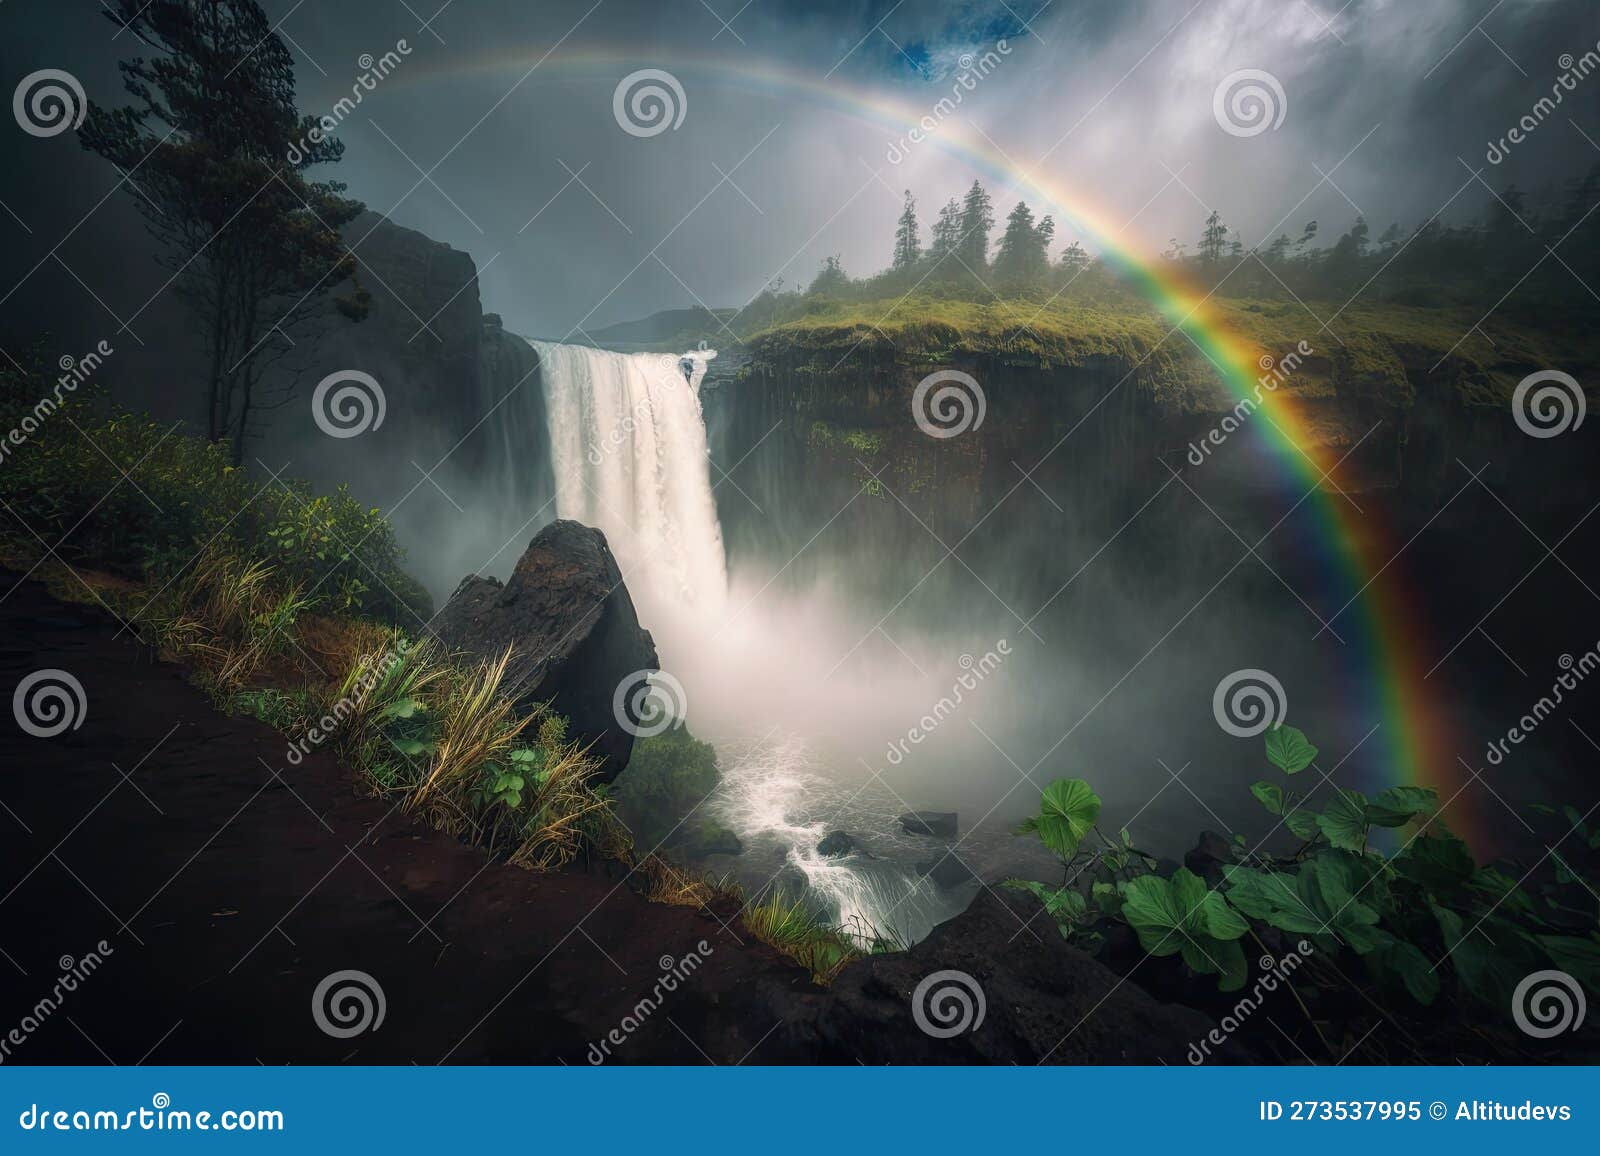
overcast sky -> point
(778, 160)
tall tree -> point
(907, 236)
(221, 151)
(946, 232)
(977, 218)
(1021, 259)
(1213, 239)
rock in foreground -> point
(942, 823)
(575, 635)
(834, 844)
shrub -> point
(661, 793)
(100, 484)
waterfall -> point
(629, 455)
(628, 449)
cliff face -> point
(829, 427)
(422, 335)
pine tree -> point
(977, 218)
(907, 237)
(1214, 239)
(946, 232)
(222, 150)
(1074, 260)
(1022, 260)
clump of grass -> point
(226, 616)
(666, 882)
(288, 711)
(789, 927)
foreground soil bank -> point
(228, 884)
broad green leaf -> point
(1488, 955)
(1344, 821)
(1414, 969)
(1065, 904)
(415, 748)
(1505, 893)
(401, 708)
(1288, 749)
(1303, 822)
(1397, 806)
(1229, 955)
(1332, 889)
(1223, 958)
(1440, 863)
(1181, 915)
(1107, 898)
(1272, 897)
(1219, 920)
(1270, 796)
(1151, 909)
(1067, 811)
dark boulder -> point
(836, 843)
(575, 636)
(1207, 857)
(709, 838)
(1043, 1001)
(941, 823)
(947, 871)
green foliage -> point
(790, 927)
(284, 710)
(1181, 916)
(667, 780)
(1288, 749)
(182, 495)
(1067, 811)
(220, 146)
(1425, 920)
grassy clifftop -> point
(1379, 352)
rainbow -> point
(1413, 741)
